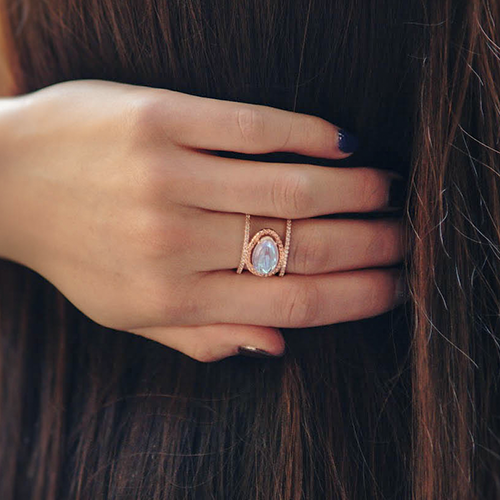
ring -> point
(265, 254)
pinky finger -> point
(208, 343)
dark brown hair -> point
(404, 405)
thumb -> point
(207, 343)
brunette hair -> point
(404, 405)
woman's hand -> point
(111, 192)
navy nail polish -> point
(348, 143)
(254, 352)
(397, 193)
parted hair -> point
(403, 405)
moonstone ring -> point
(265, 254)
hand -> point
(112, 192)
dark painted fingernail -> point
(254, 352)
(348, 143)
(397, 193)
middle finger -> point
(316, 245)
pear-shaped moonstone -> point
(265, 255)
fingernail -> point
(348, 143)
(254, 352)
(398, 191)
(402, 293)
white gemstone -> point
(265, 255)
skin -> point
(113, 193)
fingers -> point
(214, 342)
(282, 190)
(294, 301)
(316, 246)
(324, 246)
(215, 124)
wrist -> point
(15, 243)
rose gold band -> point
(270, 237)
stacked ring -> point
(265, 255)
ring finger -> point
(316, 245)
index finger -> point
(214, 124)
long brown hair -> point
(404, 405)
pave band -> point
(265, 254)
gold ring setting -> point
(265, 255)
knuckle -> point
(166, 308)
(251, 124)
(311, 255)
(143, 117)
(292, 195)
(300, 305)
(170, 306)
(163, 237)
(155, 178)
